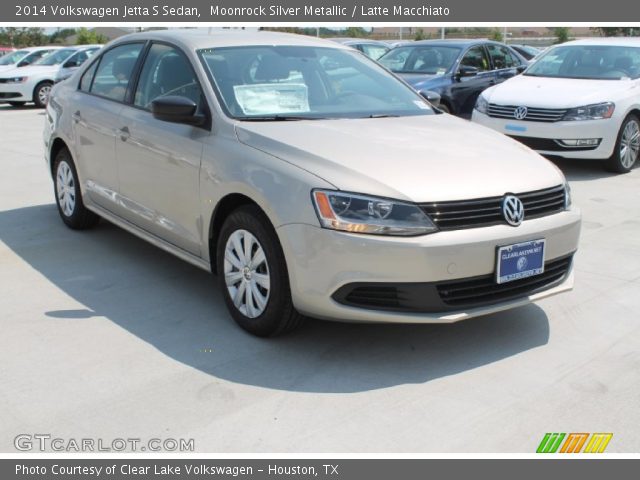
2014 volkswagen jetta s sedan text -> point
(309, 179)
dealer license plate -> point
(520, 260)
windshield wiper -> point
(382, 115)
(278, 118)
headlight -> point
(363, 214)
(567, 196)
(15, 80)
(481, 104)
(590, 112)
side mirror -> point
(177, 109)
(521, 68)
(467, 71)
(71, 64)
(432, 97)
(23, 63)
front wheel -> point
(68, 195)
(627, 147)
(253, 274)
(41, 94)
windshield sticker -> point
(421, 105)
(272, 98)
(441, 71)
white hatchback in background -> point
(33, 83)
(577, 100)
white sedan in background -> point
(577, 100)
(33, 83)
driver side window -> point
(476, 57)
(166, 72)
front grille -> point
(485, 212)
(549, 145)
(533, 114)
(485, 290)
(373, 296)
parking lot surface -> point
(105, 336)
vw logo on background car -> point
(512, 210)
(520, 113)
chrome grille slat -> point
(482, 212)
(533, 114)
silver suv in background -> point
(308, 178)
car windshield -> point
(427, 59)
(303, 82)
(56, 57)
(13, 57)
(595, 62)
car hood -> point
(5, 68)
(417, 78)
(417, 158)
(544, 92)
(30, 70)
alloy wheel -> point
(630, 144)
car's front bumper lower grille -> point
(433, 297)
(550, 145)
(485, 212)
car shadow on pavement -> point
(179, 310)
(576, 169)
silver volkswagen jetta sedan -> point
(309, 179)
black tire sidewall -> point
(279, 304)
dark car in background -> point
(527, 51)
(458, 70)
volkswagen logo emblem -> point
(520, 113)
(512, 210)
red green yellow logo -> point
(574, 443)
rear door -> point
(505, 62)
(465, 90)
(158, 161)
(96, 109)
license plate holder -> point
(520, 260)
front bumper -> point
(607, 130)
(15, 92)
(322, 261)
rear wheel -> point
(253, 274)
(627, 147)
(41, 94)
(68, 195)
(17, 104)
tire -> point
(41, 94)
(17, 104)
(263, 305)
(627, 148)
(68, 195)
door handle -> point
(124, 133)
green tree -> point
(419, 35)
(61, 34)
(561, 34)
(615, 31)
(23, 36)
(496, 35)
(355, 32)
(86, 37)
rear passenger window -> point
(115, 70)
(87, 77)
(476, 57)
(166, 72)
(502, 57)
